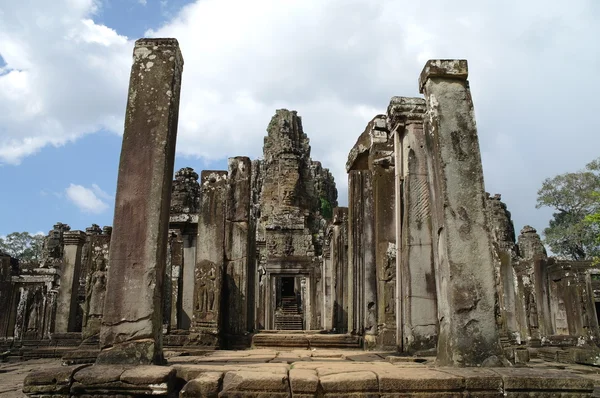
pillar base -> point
(140, 352)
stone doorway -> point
(289, 303)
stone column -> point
(174, 274)
(339, 259)
(96, 283)
(210, 257)
(66, 300)
(468, 333)
(131, 329)
(361, 256)
(533, 264)
(236, 244)
(6, 293)
(418, 301)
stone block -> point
(206, 385)
(258, 383)
(409, 380)
(350, 382)
(543, 382)
(304, 381)
(145, 375)
(99, 374)
(478, 381)
(50, 381)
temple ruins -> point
(422, 263)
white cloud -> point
(65, 76)
(337, 62)
(87, 199)
(143, 2)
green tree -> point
(23, 246)
(574, 196)
(326, 209)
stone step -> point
(306, 340)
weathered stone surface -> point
(54, 380)
(95, 291)
(237, 245)
(505, 258)
(185, 196)
(206, 385)
(463, 249)
(245, 383)
(210, 259)
(550, 381)
(144, 375)
(66, 308)
(303, 381)
(362, 300)
(417, 312)
(364, 382)
(133, 310)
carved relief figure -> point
(207, 285)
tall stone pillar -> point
(210, 257)
(66, 310)
(96, 283)
(339, 259)
(416, 275)
(237, 220)
(534, 280)
(7, 270)
(131, 329)
(468, 333)
(362, 317)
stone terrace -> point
(269, 372)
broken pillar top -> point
(405, 110)
(375, 132)
(448, 68)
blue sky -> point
(64, 68)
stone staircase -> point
(289, 317)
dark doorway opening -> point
(288, 303)
(287, 287)
(597, 310)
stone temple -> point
(423, 265)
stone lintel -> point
(74, 238)
(447, 68)
(405, 110)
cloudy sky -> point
(64, 68)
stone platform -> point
(296, 373)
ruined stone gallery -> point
(422, 261)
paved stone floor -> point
(331, 366)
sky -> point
(64, 70)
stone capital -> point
(74, 238)
(448, 68)
(405, 110)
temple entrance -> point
(289, 314)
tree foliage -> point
(571, 233)
(23, 246)
(326, 209)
